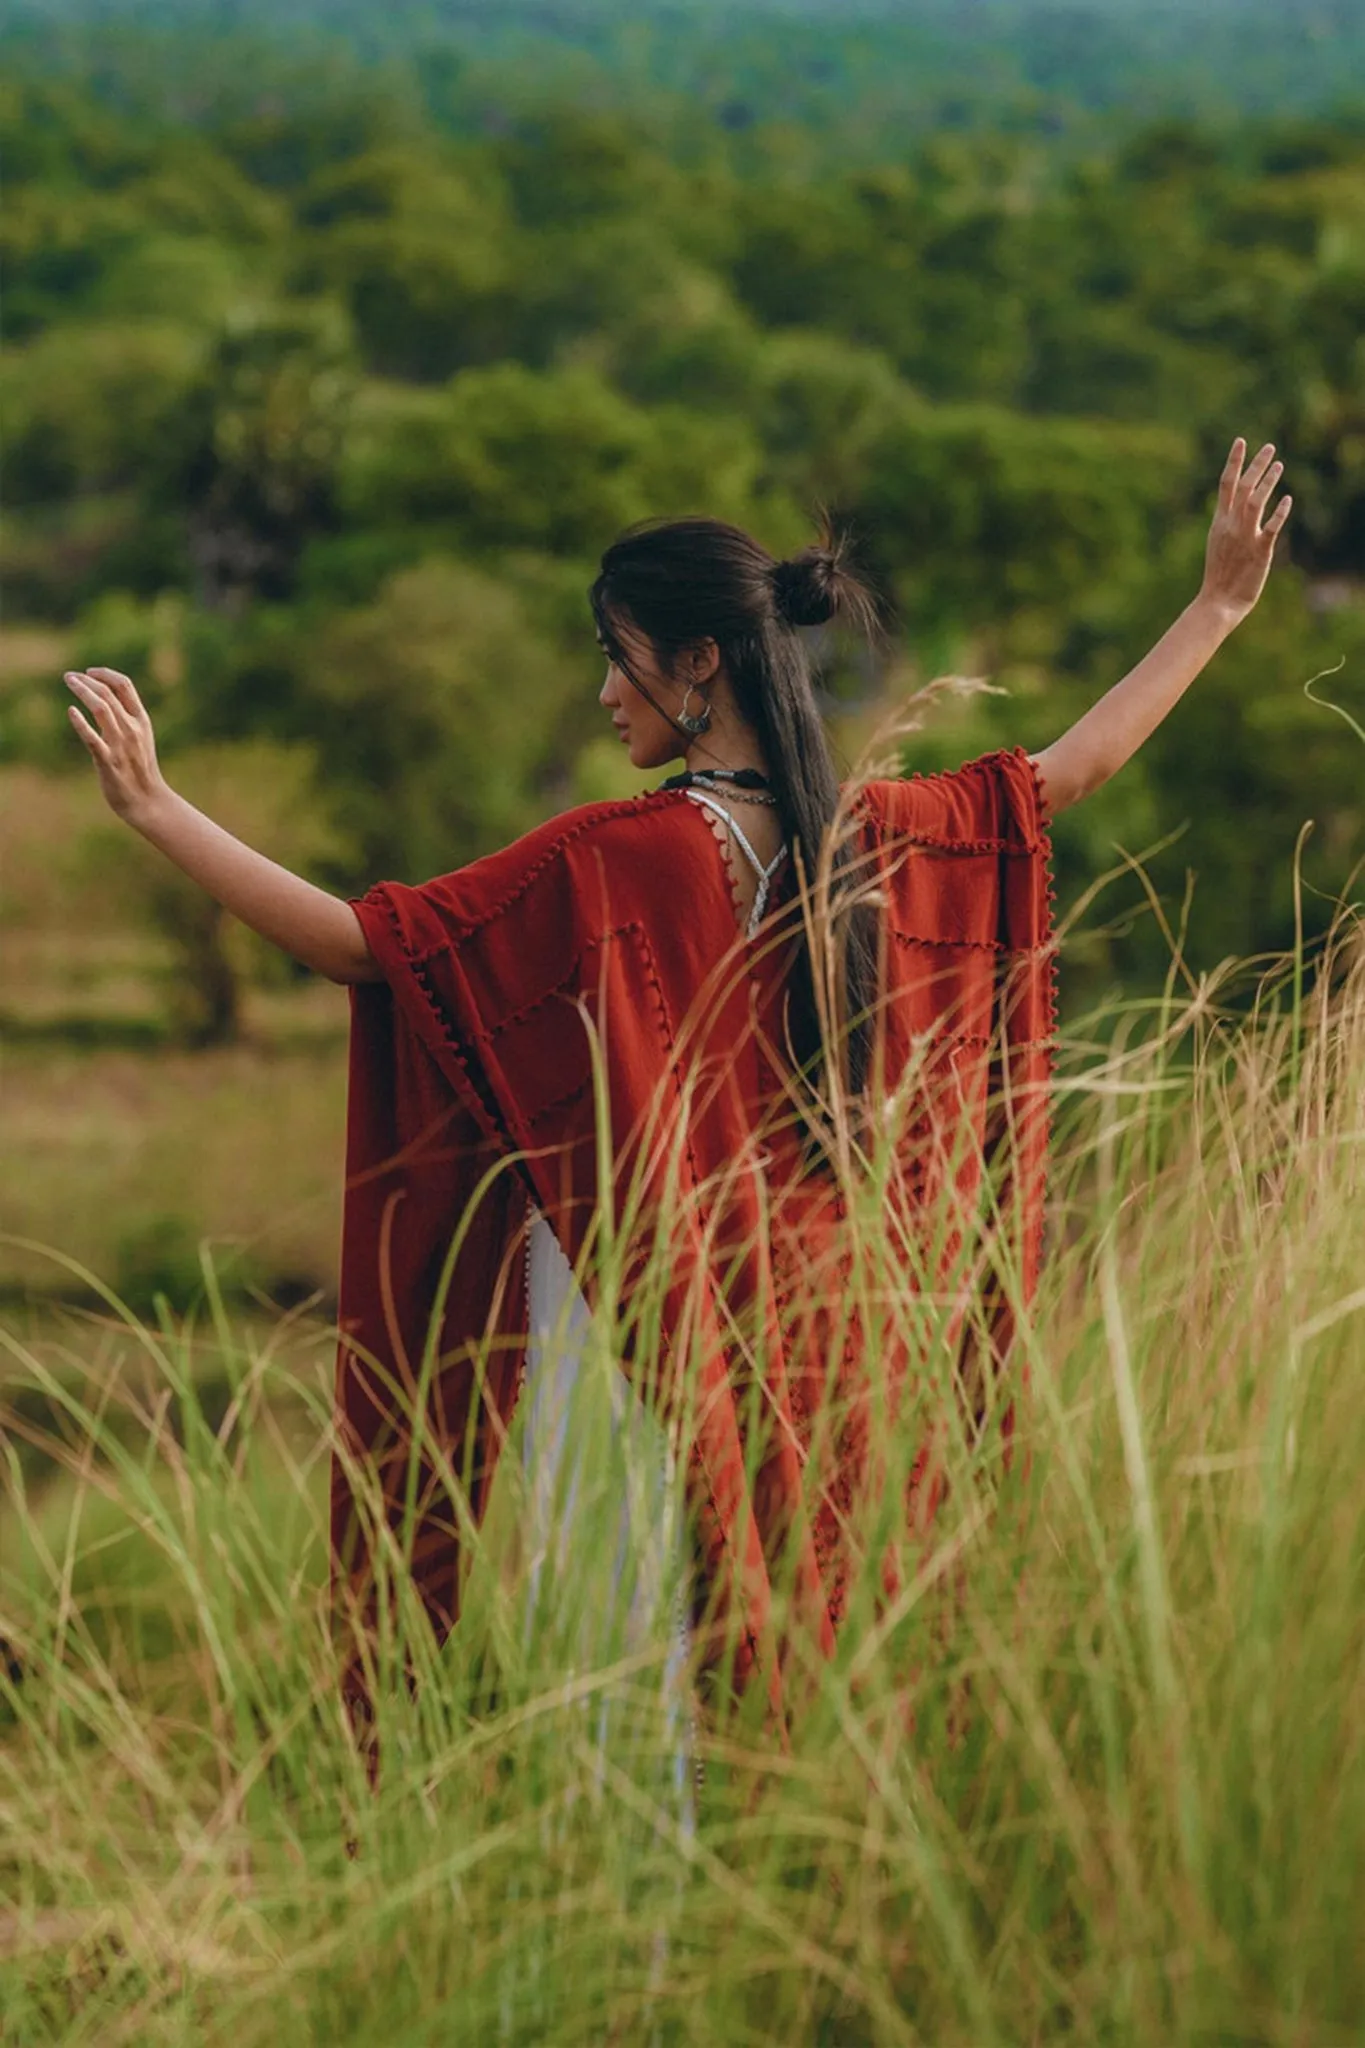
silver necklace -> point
(730, 791)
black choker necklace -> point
(741, 778)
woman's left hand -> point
(1241, 543)
(120, 742)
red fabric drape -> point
(613, 927)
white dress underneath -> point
(604, 1522)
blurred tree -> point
(313, 114)
(514, 458)
(190, 188)
(976, 512)
(683, 342)
(568, 167)
(252, 450)
(56, 244)
(820, 411)
(53, 134)
(424, 256)
(84, 404)
(1014, 367)
(1245, 759)
(806, 257)
(1250, 758)
(436, 711)
(100, 219)
(269, 795)
(582, 285)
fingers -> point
(94, 744)
(1259, 497)
(98, 697)
(1232, 471)
(1256, 469)
(1247, 491)
(122, 687)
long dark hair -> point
(685, 580)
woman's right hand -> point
(120, 743)
(1237, 561)
(1241, 543)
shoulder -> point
(616, 832)
(991, 804)
(623, 818)
(541, 875)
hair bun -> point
(806, 589)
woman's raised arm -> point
(320, 930)
(1237, 561)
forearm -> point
(320, 930)
(1111, 732)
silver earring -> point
(694, 722)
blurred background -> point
(339, 341)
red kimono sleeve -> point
(971, 969)
(470, 1081)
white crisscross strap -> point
(762, 875)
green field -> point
(1096, 1776)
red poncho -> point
(475, 1048)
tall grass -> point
(1094, 1773)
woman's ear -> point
(701, 663)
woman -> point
(627, 1023)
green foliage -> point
(515, 458)
(821, 408)
(422, 257)
(253, 451)
(355, 399)
(851, 79)
(416, 722)
(86, 402)
(995, 514)
(265, 793)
